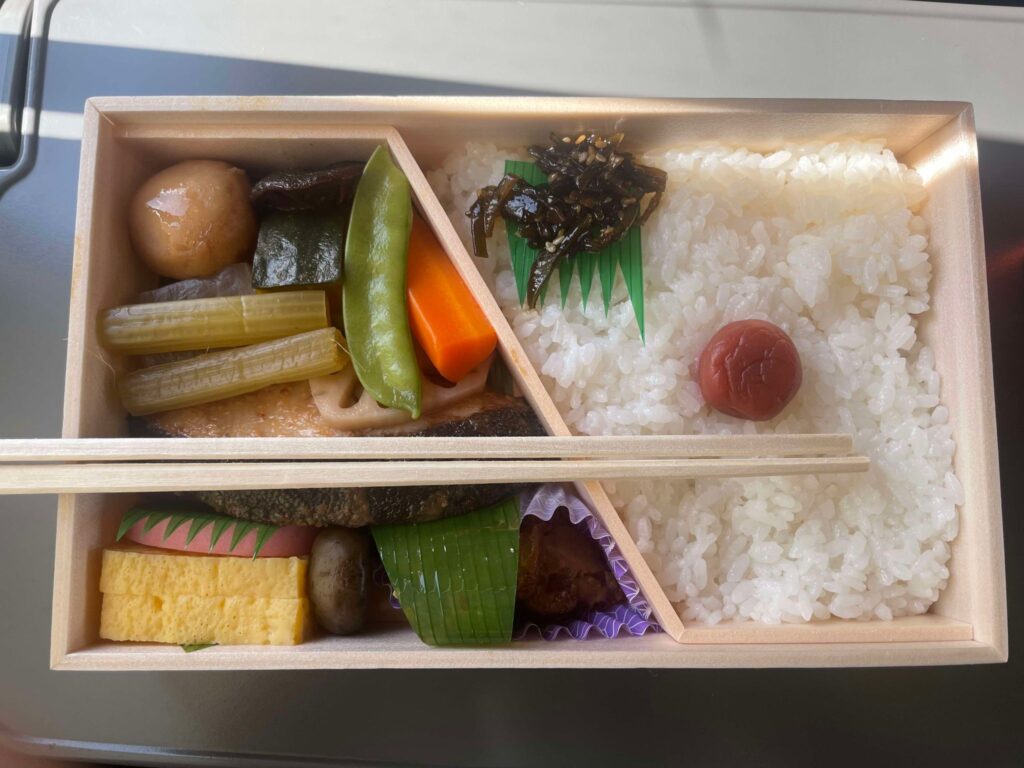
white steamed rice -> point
(823, 241)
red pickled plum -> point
(750, 369)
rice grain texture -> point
(824, 241)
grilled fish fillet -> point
(289, 411)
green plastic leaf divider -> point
(456, 578)
(585, 263)
(606, 263)
(564, 279)
(523, 255)
(263, 533)
(177, 520)
(198, 519)
(219, 527)
(193, 647)
(631, 262)
(625, 254)
(198, 524)
(242, 527)
(129, 519)
(154, 519)
(522, 262)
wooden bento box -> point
(125, 139)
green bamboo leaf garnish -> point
(632, 264)
(242, 527)
(198, 523)
(625, 255)
(606, 263)
(527, 171)
(456, 578)
(564, 280)
(218, 530)
(522, 255)
(155, 518)
(193, 647)
(522, 262)
(263, 533)
(585, 263)
(177, 520)
(197, 520)
(130, 518)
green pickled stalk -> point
(215, 323)
(230, 372)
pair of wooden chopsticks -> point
(141, 464)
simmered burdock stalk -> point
(225, 321)
(219, 375)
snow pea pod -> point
(376, 318)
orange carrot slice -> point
(445, 318)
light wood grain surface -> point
(125, 139)
(399, 647)
(185, 476)
(306, 448)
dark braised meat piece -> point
(562, 571)
(595, 193)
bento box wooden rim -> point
(152, 115)
(219, 109)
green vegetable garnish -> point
(456, 578)
(198, 519)
(193, 647)
(376, 319)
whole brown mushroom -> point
(339, 579)
(193, 219)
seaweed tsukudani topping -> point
(595, 193)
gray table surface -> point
(717, 717)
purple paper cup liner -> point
(633, 617)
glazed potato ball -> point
(193, 219)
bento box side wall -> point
(86, 523)
(753, 129)
(105, 273)
(957, 329)
(403, 650)
(724, 655)
(258, 147)
(427, 122)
